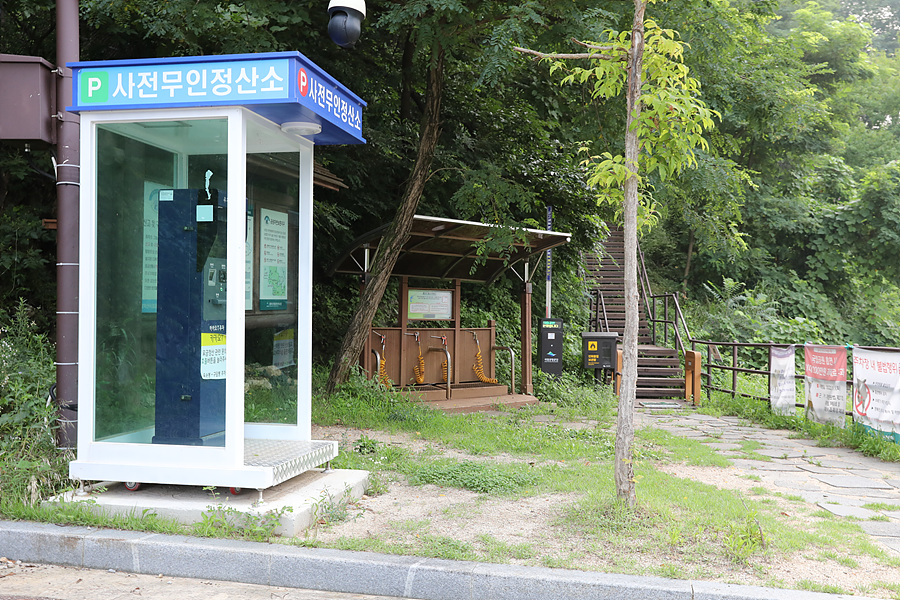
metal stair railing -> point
(677, 323)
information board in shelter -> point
(430, 305)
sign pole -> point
(549, 261)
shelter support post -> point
(692, 364)
(527, 386)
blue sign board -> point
(281, 86)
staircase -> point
(660, 375)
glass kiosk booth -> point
(196, 266)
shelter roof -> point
(440, 248)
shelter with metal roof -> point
(449, 250)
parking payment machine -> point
(552, 346)
(190, 318)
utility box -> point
(28, 98)
(599, 349)
(552, 346)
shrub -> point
(30, 465)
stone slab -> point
(801, 485)
(843, 510)
(820, 470)
(722, 446)
(779, 453)
(817, 496)
(835, 464)
(853, 481)
(777, 466)
(892, 543)
(881, 529)
(867, 494)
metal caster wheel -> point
(132, 486)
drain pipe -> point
(67, 181)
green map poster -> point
(273, 259)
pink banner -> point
(826, 384)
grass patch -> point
(663, 445)
(882, 506)
(825, 588)
(475, 476)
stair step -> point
(659, 371)
(660, 392)
(659, 362)
(660, 382)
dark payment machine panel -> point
(190, 318)
(552, 346)
(598, 348)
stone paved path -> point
(839, 480)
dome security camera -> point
(346, 21)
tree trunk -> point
(624, 465)
(392, 242)
(687, 263)
(406, 77)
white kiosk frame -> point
(252, 455)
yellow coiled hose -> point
(445, 371)
(419, 369)
(479, 368)
(382, 374)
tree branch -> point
(559, 56)
(601, 48)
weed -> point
(743, 538)
(221, 520)
(328, 510)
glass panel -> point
(270, 382)
(161, 281)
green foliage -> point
(571, 391)
(733, 313)
(672, 118)
(26, 262)
(31, 468)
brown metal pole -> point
(527, 386)
(67, 182)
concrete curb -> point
(350, 572)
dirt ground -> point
(529, 530)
